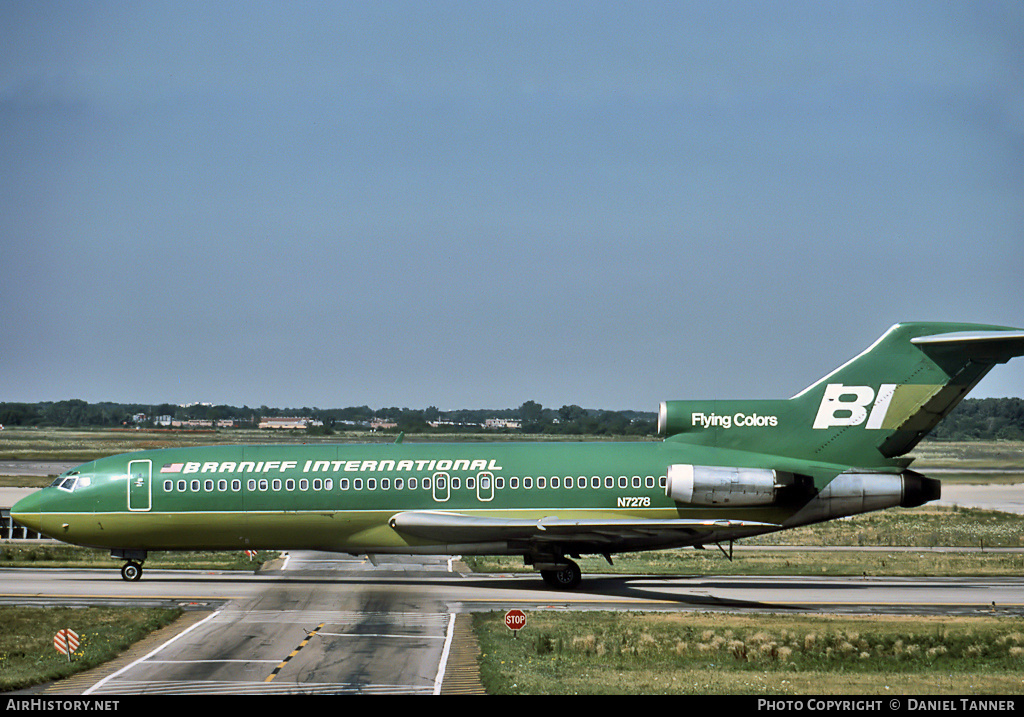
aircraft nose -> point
(27, 511)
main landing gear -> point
(558, 571)
(567, 577)
(131, 570)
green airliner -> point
(724, 471)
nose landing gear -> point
(131, 570)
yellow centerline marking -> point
(294, 652)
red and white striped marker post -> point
(66, 642)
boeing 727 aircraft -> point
(725, 470)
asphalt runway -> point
(326, 623)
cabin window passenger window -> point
(399, 484)
(222, 485)
(194, 487)
(456, 483)
(343, 484)
(289, 485)
(318, 484)
(357, 484)
(426, 484)
(371, 484)
(236, 485)
(527, 482)
(499, 482)
(250, 484)
(650, 481)
(595, 482)
(385, 484)
(542, 482)
(263, 483)
(328, 483)
(554, 481)
(513, 483)
(168, 486)
(636, 481)
(208, 486)
(412, 484)
(276, 485)
(303, 484)
(471, 482)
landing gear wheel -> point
(567, 577)
(131, 570)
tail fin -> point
(874, 408)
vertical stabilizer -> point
(872, 409)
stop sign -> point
(515, 620)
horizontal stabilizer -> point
(982, 346)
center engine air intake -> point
(715, 485)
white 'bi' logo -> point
(848, 405)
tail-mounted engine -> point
(846, 494)
(717, 485)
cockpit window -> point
(59, 481)
(70, 481)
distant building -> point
(378, 424)
(288, 423)
(453, 424)
(498, 423)
(192, 423)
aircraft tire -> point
(566, 578)
(131, 571)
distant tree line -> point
(978, 419)
(533, 417)
(974, 419)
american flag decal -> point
(172, 468)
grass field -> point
(75, 444)
(80, 445)
(27, 655)
(705, 653)
(21, 554)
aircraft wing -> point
(459, 528)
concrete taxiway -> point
(324, 623)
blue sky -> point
(478, 204)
